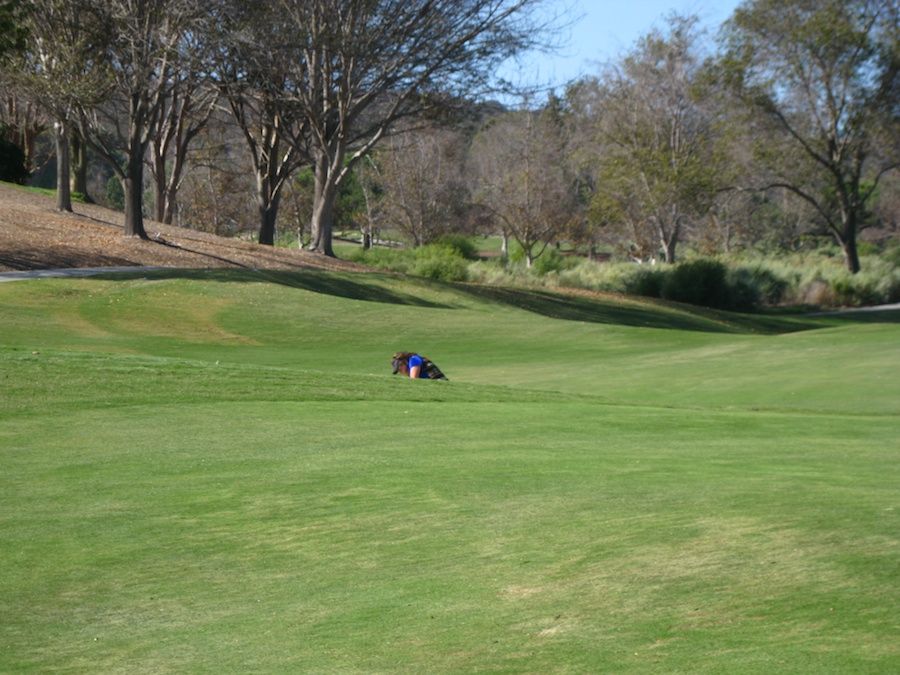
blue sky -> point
(610, 27)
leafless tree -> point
(63, 68)
(258, 75)
(143, 47)
(183, 115)
(524, 179)
(368, 65)
(216, 193)
(422, 176)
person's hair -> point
(400, 360)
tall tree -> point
(826, 74)
(143, 45)
(656, 169)
(525, 182)
(259, 76)
(367, 65)
(62, 68)
(184, 113)
(422, 176)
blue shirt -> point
(416, 360)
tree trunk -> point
(268, 198)
(669, 241)
(848, 246)
(159, 184)
(171, 189)
(134, 193)
(79, 164)
(850, 219)
(323, 206)
(63, 165)
(268, 215)
(669, 251)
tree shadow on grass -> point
(647, 314)
(331, 283)
(555, 305)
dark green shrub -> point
(743, 291)
(12, 160)
(383, 258)
(550, 261)
(770, 287)
(463, 246)
(700, 282)
(115, 194)
(856, 291)
(447, 267)
(645, 281)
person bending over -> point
(416, 366)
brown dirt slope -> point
(35, 236)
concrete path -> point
(72, 272)
(853, 310)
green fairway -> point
(216, 472)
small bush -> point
(549, 261)
(771, 287)
(645, 281)
(383, 258)
(742, 290)
(464, 247)
(442, 268)
(12, 160)
(439, 261)
(698, 282)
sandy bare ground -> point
(35, 236)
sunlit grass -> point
(222, 476)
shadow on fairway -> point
(555, 305)
(647, 315)
(862, 315)
(334, 283)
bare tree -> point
(367, 65)
(142, 48)
(62, 68)
(525, 182)
(259, 77)
(422, 176)
(216, 193)
(183, 115)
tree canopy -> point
(825, 73)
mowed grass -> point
(217, 473)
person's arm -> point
(414, 371)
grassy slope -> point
(217, 474)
